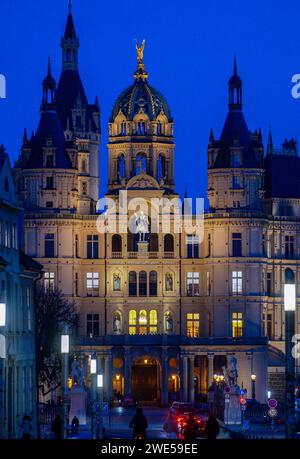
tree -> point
(53, 313)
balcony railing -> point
(132, 254)
(153, 254)
(117, 255)
(169, 254)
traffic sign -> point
(272, 412)
(272, 403)
(243, 401)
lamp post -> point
(289, 310)
(253, 380)
(2, 368)
(100, 431)
(94, 382)
(65, 349)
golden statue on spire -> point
(140, 52)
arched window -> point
(153, 322)
(159, 129)
(161, 167)
(116, 243)
(143, 322)
(6, 185)
(123, 128)
(143, 283)
(141, 128)
(169, 282)
(117, 323)
(132, 322)
(132, 283)
(153, 242)
(169, 243)
(153, 283)
(121, 167)
(140, 164)
(168, 322)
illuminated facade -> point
(166, 315)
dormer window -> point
(49, 160)
(123, 128)
(236, 159)
(141, 128)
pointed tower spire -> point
(49, 88)
(270, 142)
(70, 44)
(235, 89)
(25, 137)
(211, 135)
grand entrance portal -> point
(145, 380)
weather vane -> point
(140, 51)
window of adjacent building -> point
(237, 282)
(49, 183)
(49, 245)
(49, 281)
(235, 159)
(193, 288)
(76, 284)
(28, 309)
(193, 324)
(153, 283)
(153, 322)
(209, 245)
(92, 284)
(237, 324)
(208, 284)
(192, 246)
(268, 325)
(269, 284)
(49, 204)
(92, 325)
(132, 322)
(132, 283)
(143, 283)
(15, 236)
(236, 244)
(92, 246)
(289, 246)
(76, 246)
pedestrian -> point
(139, 425)
(26, 427)
(75, 425)
(191, 428)
(56, 427)
(212, 428)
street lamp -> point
(253, 379)
(289, 310)
(65, 349)
(269, 394)
(94, 377)
(100, 431)
(2, 366)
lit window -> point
(237, 282)
(193, 324)
(237, 324)
(193, 284)
(49, 281)
(153, 322)
(132, 322)
(143, 322)
(92, 284)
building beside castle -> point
(166, 315)
(18, 273)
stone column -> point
(191, 379)
(210, 375)
(127, 372)
(165, 377)
(184, 378)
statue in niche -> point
(142, 226)
(117, 282)
(169, 322)
(169, 282)
(117, 323)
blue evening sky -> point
(189, 55)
